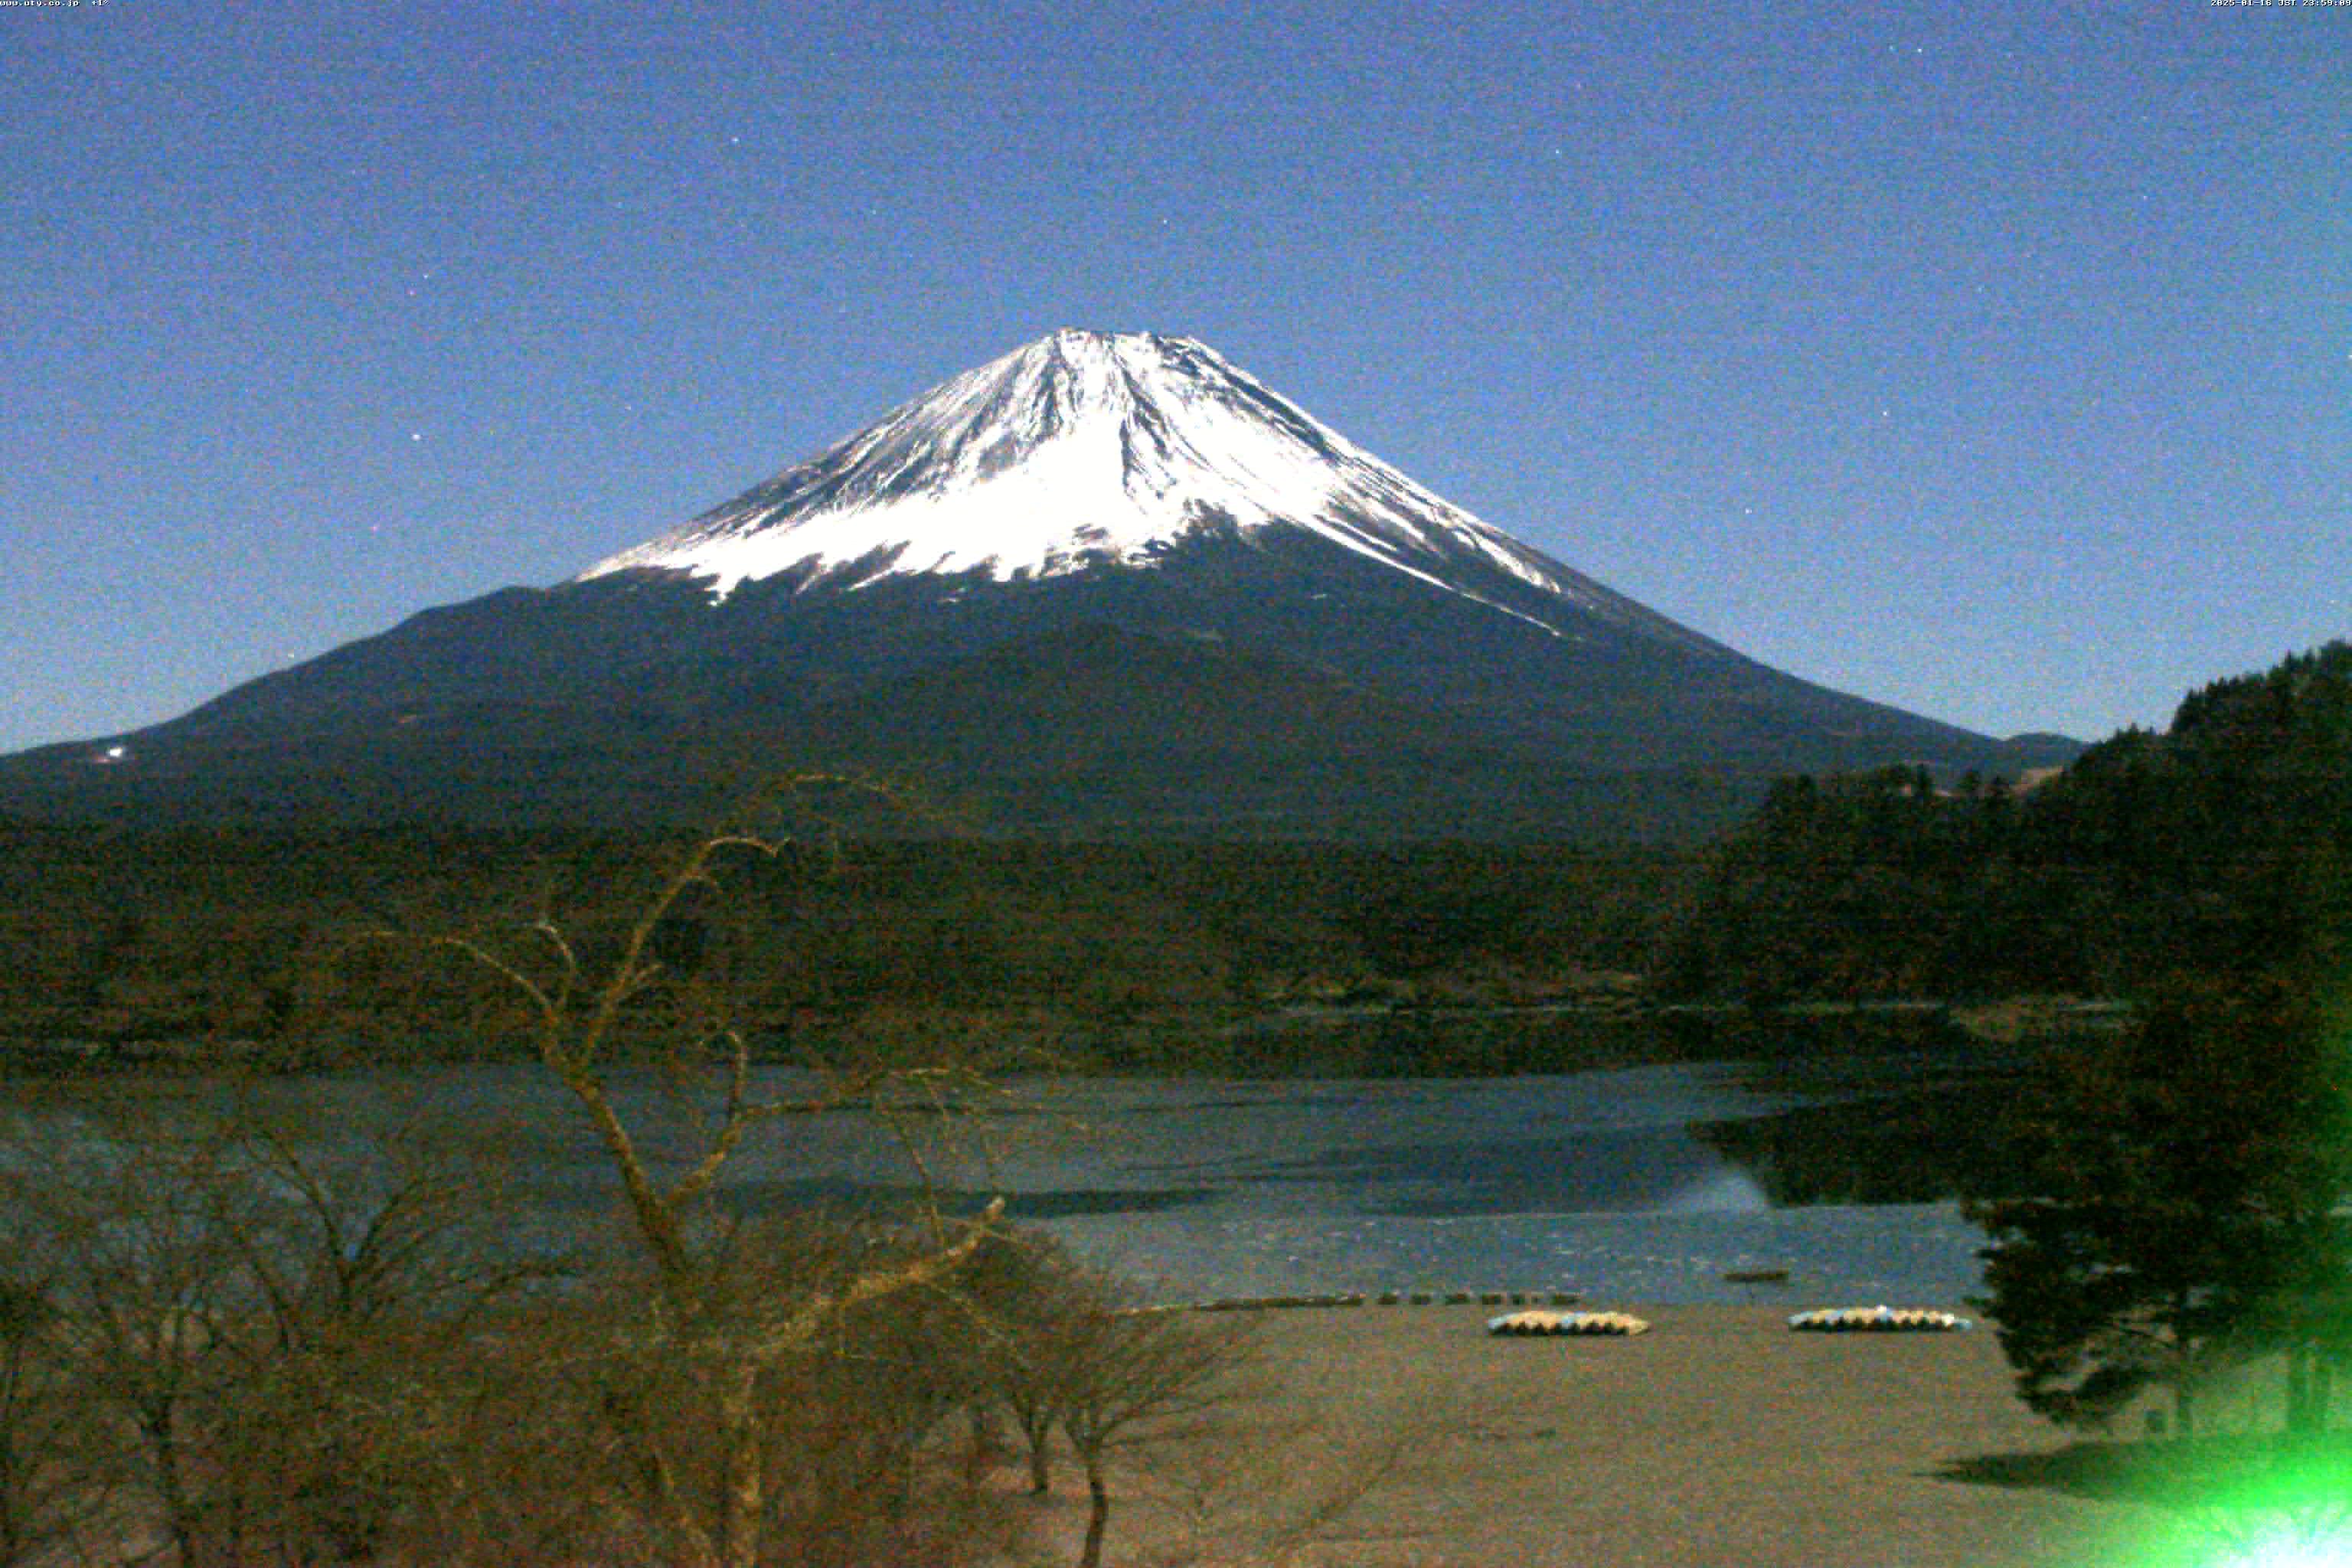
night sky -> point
(1990, 359)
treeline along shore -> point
(2220, 843)
(133, 946)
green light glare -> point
(2288, 1509)
(2291, 1545)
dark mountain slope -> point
(993, 585)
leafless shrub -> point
(236, 1310)
(1271, 1489)
(44, 1502)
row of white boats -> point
(1823, 1319)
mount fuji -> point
(1087, 450)
(1107, 584)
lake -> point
(1637, 1184)
(1633, 1184)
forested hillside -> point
(2222, 844)
(118, 938)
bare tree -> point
(1133, 1375)
(698, 1313)
(44, 1500)
(367, 1267)
(1022, 1291)
(233, 1312)
(142, 1277)
(1276, 1481)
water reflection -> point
(1719, 1192)
(1929, 1146)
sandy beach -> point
(1389, 1436)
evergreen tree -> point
(2173, 1207)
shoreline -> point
(1305, 1041)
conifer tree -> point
(2173, 1208)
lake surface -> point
(1635, 1185)
(1615, 1185)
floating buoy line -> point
(1393, 1299)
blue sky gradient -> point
(1990, 359)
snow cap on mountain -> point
(1091, 449)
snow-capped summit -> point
(1085, 449)
(1108, 583)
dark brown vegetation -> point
(232, 1337)
(2210, 844)
(133, 946)
(226, 1341)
